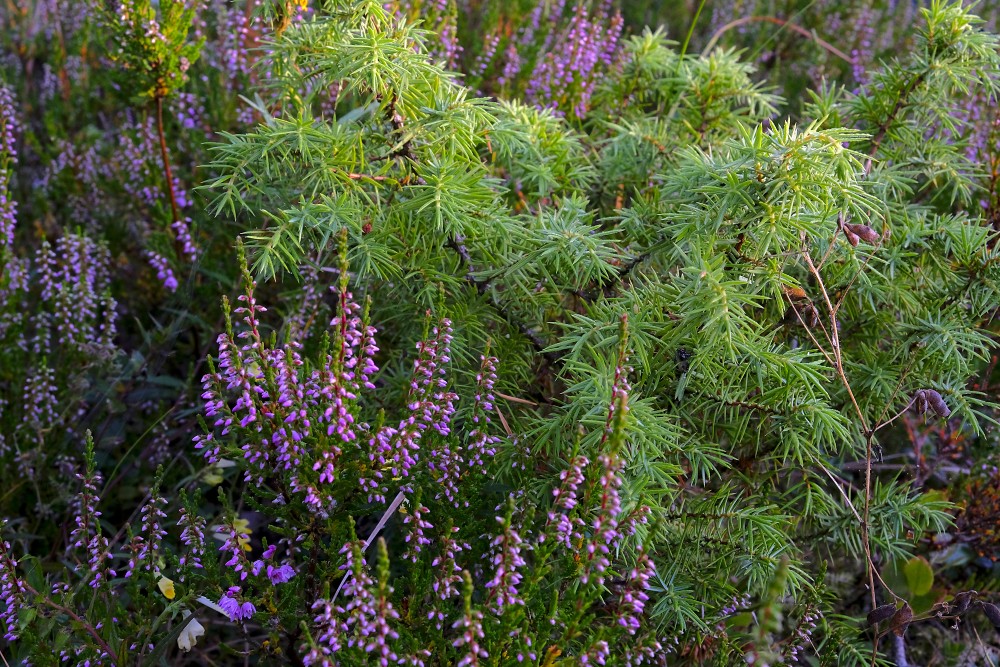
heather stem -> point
(167, 172)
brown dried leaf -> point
(794, 292)
(866, 233)
(992, 612)
(901, 619)
(879, 614)
(963, 600)
(937, 403)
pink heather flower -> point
(281, 574)
(416, 538)
(565, 528)
(634, 595)
(507, 560)
(236, 610)
(234, 546)
(12, 590)
(605, 524)
(471, 628)
(398, 449)
(163, 271)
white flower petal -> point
(189, 635)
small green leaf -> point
(919, 575)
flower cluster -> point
(86, 534)
(12, 590)
(565, 78)
(8, 160)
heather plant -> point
(782, 318)
(302, 446)
(640, 370)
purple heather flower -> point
(8, 159)
(565, 79)
(634, 595)
(193, 537)
(182, 230)
(863, 54)
(163, 271)
(281, 574)
(236, 610)
(368, 610)
(486, 55)
(449, 574)
(802, 634)
(507, 560)
(87, 533)
(481, 444)
(189, 110)
(145, 547)
(415, 537)
(40, 399)
(470, 627)
(12, 590)
(597, 654)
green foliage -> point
(152, 44)
(746, 332)
(789, 287)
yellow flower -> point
(242, 529)
(166, 587)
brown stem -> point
(168, 174)
(784, 24)
(86, 626)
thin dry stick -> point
(780, 22)
(809, 333)
(515, 399)
(167, 173)
(864, 266)
(396, 502)
(869, 434)
(84, 624)
(898, 415)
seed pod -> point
(879, 614)
(852, 238)
(992, 612)
(813, 317)
(963, 600)
(866, 233)
(794, 293)
(937, 403)
(929, 399)
(901, 619)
